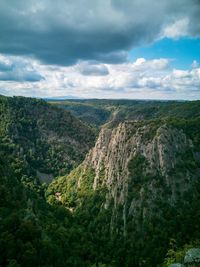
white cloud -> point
(177, 29)
(181, 74)
(139, 79)
(195, 64)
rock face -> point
(115, 148)
(137, 182)
(137, 164)
(192, 257)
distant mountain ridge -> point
(97, 112)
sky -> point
(135, 49)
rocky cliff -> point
(136, 164)
(144, 172)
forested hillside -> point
(41, 140)
(90, 112)
(37, 142)
(32, 232)
(98, 112)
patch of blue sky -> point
(182, 52)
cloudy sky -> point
(143, 49)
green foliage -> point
(89, 113)
(136, 167)
(175, 254)
(98, 112)
(40, 138)
(33, 233)
(71, 224)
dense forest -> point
(131, 199)
(44, 139)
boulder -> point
(192, 257)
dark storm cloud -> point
(194, 25)
(62, 32)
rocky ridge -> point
(140, 183)
(154, 153)
(137, 163)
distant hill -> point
(97, 112)
(87, 111)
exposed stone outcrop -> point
(191, 259)
(158, 146)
